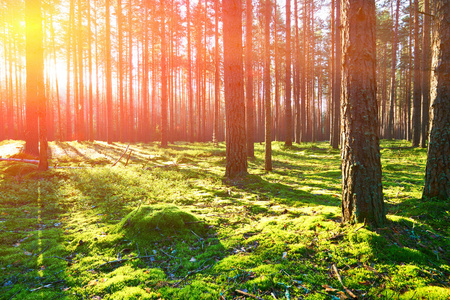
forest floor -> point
(169, 226)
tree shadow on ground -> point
(32, 239)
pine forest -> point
(233, 149)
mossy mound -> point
(150, 221)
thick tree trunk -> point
(362, 194)
(437, 173)
(234, 89)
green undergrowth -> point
(167, 225)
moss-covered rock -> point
(150, 221)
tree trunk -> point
(267, 104)
(234, 89)
(409, 81)
(131, 126)
(297, 78)
(336, 139)
(437, 173)
(416, 129)
(120, 72)
(91, 95)
(109, 108)
(190, 93)
(332, 69)
(288, 75)
(80, 107)
(426, 63)
(362, 194)
(33, 70)
(164, 120)
(390, 131)
(249, 80)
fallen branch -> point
(128, 158)
(30, 161)
(190, 273)
(362, 226)
(123, 260)
(248, 295)
(121, 156)
(340, 280)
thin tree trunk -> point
(426, 64)
(80, 108)
(390, 130)
(91, 93)
(249, 80)
(416, 128)
(297, 78)
(267, 105)
(190, 92)
(109, 108)
(336, 139)
(288, 75)
(131, 125)
(33, 69)
(164, 122)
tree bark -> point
(362, 194)
(164, 120)
(33, 70)
(267, 100)
(437, 173)
(426, 63)
(80, 107)
(190, 92)
(297, 76)
(109, 108)
(337, 81)
(288, 75)
(416, 128)
(131, 126)
(249, 80)
(390, 131)
(234, 89)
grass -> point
(169, 226)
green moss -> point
(148, 222)
(168, 226)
